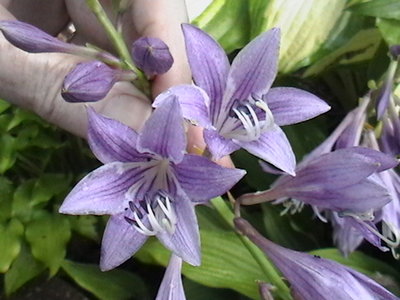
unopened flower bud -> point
(395, 51)
(91, 81)
(152, 56)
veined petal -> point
(120, 242)
(171, 287)
(185, 241)
(163, 133)
(202, 179)
(254, 68)
(291, 105)
(273, 147)
(208, 63)
(384, 160)
(102, 192)
(193, 100)
(111, 140)
(218, 145)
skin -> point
(33, 81)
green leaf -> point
(10, 235)
(226, 263)
(7, 152)
(228, 22)
(86, 226)
(374, 268)
(195, 291)
(21, 204)
(304, 24)
(49, 185)
(6, 194)
(48, 237)
(378, 8)
(360, 48)
(258, 16)
(4, 105)
(390, 30)
(23, 269)
(111, 285)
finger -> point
(50, 16)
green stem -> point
(267, 267)
(119, 44)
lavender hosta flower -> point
(148, 185)
(239, 108)
(171, 287)
(151, 55)
(336, 181)
(91, 81)
(313, 277)
(33, 40)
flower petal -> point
(102, 191)
(111, 140)
(208, 63)
(273, 147)
(185, 241)
(193, 100)
(171, 287)
(218, 145)
(202, 179)
(120, 242)
(291, 105)
(384, 161)
(163, 133)
(254, 68)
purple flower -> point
(336, 181)
(148, 185)
(152, 56)
(313, 277)
(241, 109)
(33, 40)
(91, 81)
(171, 287)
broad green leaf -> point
(6, 194)
(48, 237)
(21, 204)
(374, 268)
(20, 116)
(10, 235)
(228, 22)
(111, 285)
(48, 186)
(390, 30)
(360, 48)
(378, 8)
(258, 16)
(195, 291)
(4, 105)
(23, 269)
(304, 24)
(85, 225)
(226, 263)
(7, 152)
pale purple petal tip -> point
(120, 242)
(291, 105)
(151, 55)
(88, 82)
(31, 39)
(171, 287)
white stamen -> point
(141, 227)
(154, 223)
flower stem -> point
(267, 267)
(117, 40)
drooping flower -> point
(336, 181)
(171, 287)
(151, 55)
(240, 108)
(91, 81)
(148, 185)
(313, 277)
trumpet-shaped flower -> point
(239, 108)
(313, 277)
(148, 185)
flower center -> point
(255, 118)
(153, 215)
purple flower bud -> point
(313, 277)
(395, 51)
(91, 81)
(152, 56)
